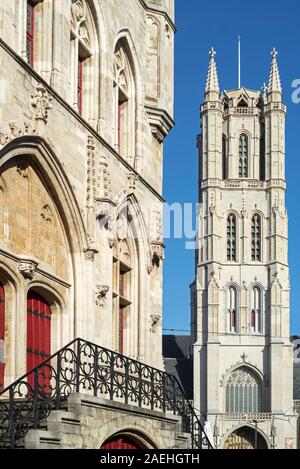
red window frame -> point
(119, 125)
(30, 32)
(2, 328)
(38, 337)
(121, 329)
(80, 85)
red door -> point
(120, 442)
(2, 321)
(38, 335)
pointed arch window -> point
(80, 52)
(256, 310)
(262, 156)
(224, 157)
(232, 310)
(243, 392)
(231, 238)
(124, 102)
(256, 238)
(122, 273)
(243, 156)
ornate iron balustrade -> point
(83, 367)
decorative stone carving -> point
(100, 294)
(16, 130)
(27, 267)
(79, 24)
(121, 70)
(89, 255)
(91, 250)
(155, 319)
(41, 103)
(157, 253)
(91, 172)
(46, 214)
(132, 179)
(160, 121)
(22, 169)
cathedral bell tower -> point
(241, 295)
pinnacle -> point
(274, 80)
(212, 82)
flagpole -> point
(239, 62)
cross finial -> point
(264, 89)
(274, 53)
(212, 53)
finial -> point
(274, 79)
(212, 53)
(212, 82)
(264, 89)
(274, 53)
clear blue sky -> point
(262, 25)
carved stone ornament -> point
(157, 254)
(91, 250)
(100, 294)
(16, 130)
(41, 102)
(155, 318)
(132, 179)
(27, 267)
(106, 213)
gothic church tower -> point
(241, 295)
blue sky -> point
(261, 25)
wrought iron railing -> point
(83, 367)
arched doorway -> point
(245, 438)
(122, 442)
(2, 326)
(38, 334)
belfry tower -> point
(241, 295)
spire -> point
(212, 82)
(274, 80)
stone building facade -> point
(86, 100)
(243, 363)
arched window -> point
(121, 291)
(224, 157)
(231, 238)
(256, 238)
(80, 52)
(243, 392)
(243, 156)
(232, 310)
(262, 155)
(2, 328)
(124, 102)
(30, 32)
(256, 310)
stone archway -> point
(122, 442)
(244, 438)
(127, 440)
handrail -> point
(84, 367)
